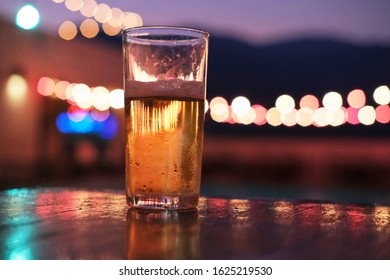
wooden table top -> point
(60, 223)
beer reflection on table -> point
(162, 234)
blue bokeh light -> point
(106, 129)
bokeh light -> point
(116, 98)
(261, 113)
(382, 95)
(100, 96)
(304, 116)
(309, 101)
(240, 105)
(352, 115)
(82, 95)
(76, 114)
(219, 109)
(247, 118)
(46, 86)
(106, 129)
(16, 88)
(383, 114)
(367, 115)
(131, 20)
(88, 8)
(102, 13)
(274, 117)
(100, 116)
(319, 117)
(74, 5)
(27, 17)
(289, 119)
(336, 117)
(61, 90)
(112, 27)
(119, 15)
(100, 99)
(218, 100)
(67, 30)
(332, 101)
(356, 98)
(89, 28)
(285, 104)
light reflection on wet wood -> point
(62, 223)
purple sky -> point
(254, 21)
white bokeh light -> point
(382, 95)
(285, 104)
(241, 105)
(332, 101)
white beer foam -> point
(165, 88)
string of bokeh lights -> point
(308, 112)
(98, 16)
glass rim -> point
(140, 34)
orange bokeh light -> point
(356, 98)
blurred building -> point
(31, 146)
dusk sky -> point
(254, 21)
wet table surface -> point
(58, 223)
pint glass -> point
(165, 88)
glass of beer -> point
(165, 88)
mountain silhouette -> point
(297, 68)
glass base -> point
(164, 202)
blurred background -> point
(298, 97)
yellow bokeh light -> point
(285, 104)
(88, 8)
(382, 95)
(220, 117)
(356, 98)
(67, 30)
(367, 115)
(119, 15)
(74, 5)
(274, 117)
(16, 89)
(304, 116)
(60, 89)
(218, 100)
(89, 28)
(131, 20)
(82, 95)
(102, 13)
(219, 109)
(100, 96)
(332, 101)
(112, 27)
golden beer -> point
(164, 142)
